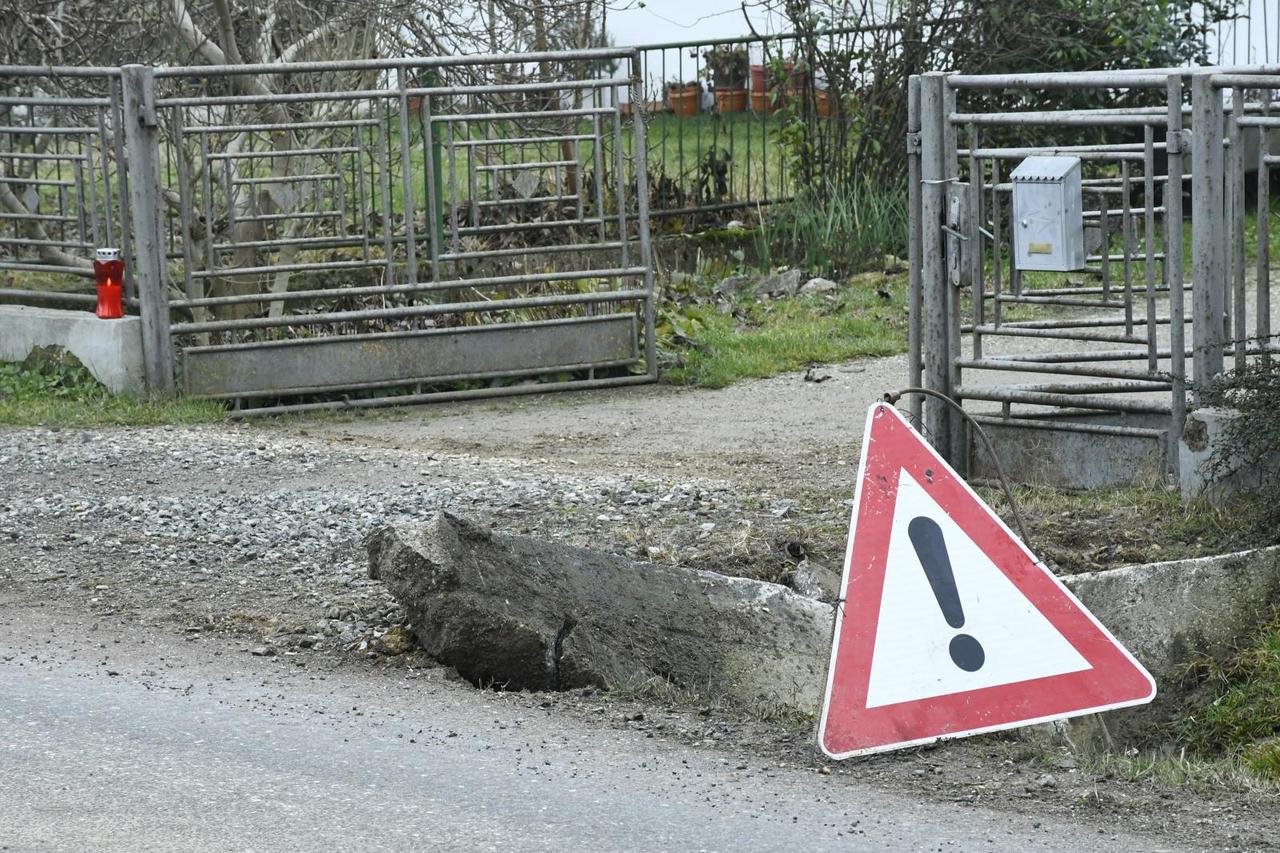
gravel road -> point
(245, 542)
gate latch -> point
(1178, 142)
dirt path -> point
(783, 430)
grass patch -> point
(705, 346)
(1181, 769)
(1104, 528)
(1243, 721)
(52, 388)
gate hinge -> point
(913, 142)
(1178, 142)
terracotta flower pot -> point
(731, 100)
(762, 102)
(685, 101)
(822, 100)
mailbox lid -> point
(1045, 168)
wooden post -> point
(142, 153)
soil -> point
(250, 536)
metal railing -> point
(1112, 336)
(62, 190)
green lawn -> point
(704, 347)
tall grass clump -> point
(836, 230)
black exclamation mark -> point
(930, 547)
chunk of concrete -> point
(518, 612)
(110, 349)
(816, 581)
(1173, 614)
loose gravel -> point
(251, 530)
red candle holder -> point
(108, 269)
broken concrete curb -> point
(1173, 614)
(519, 612)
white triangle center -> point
(912, 660)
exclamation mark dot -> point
(931, 548)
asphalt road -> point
(110, 741)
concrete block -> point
(110, 349)
(1204, 468)
(1043, 453)
(1171, 615)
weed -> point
(1244, 719)
(53, 388)
(836, 230)
(702, 345)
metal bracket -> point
(957, 242)
(1178, 142)
(913, 142)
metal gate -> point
(1084, 373)
(62, 192)
(351, 233)
(404, 230)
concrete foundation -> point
(110, 349)
(1119, 451)
(1204, 469)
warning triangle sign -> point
(948, 626)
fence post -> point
(1173, 268)
(915, 367)
(639, 148)
(957, 445)
(933, 269)
(142, 152)
(1208, 237)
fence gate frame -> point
(959, 233)
(455, 300)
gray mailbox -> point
(1048, 216)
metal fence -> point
(715, 141)
(1112, 338)
(62, 190)
(718, 109)
(388, 230)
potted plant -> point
(727, 65)
(685, 99)
(779, 78)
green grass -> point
(53, 389)
(710, 349)
(836, 230)
(1181, 769)
(1243, 721)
